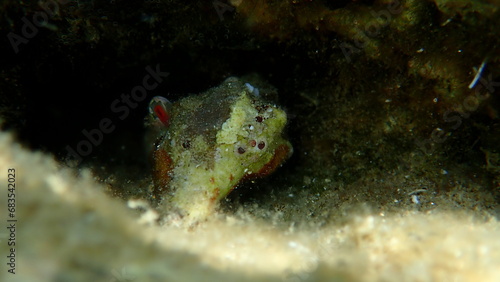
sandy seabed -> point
(68, 229)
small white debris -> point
(253, 90)
(414, 199)
(388, 100)
(435, 100)
(444, 172)
(57, 184)
(446, 22)
(251, 127)
(420, 50)
(249, 87)
(149, 217)
(269, 110)
(478, 74)
(137, 203)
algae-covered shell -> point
(212, 142)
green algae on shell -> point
(212, 142)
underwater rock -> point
(206, 144)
